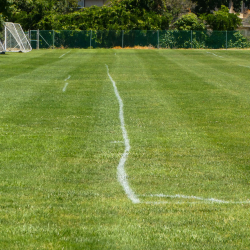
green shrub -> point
(222, 20)
(189, 22)
(238, 41)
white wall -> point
(88, 3)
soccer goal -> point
(15, 39)
(1, 48)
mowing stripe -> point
(121, 173)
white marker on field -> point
(244, 66)
(121, 173)
(213, 54)
(66, 84)
(180, 196)
(67, 78)
(64, 89)
(64, 54)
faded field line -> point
(121, 173)
(64, 54)
(66, 84)
(214, 54)
(244, 66)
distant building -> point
(244, 10)
(88, 3)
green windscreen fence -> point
(171, 39)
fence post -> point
(191, 39)
(226, 39)
(122, 37)
(90, 38)
(37, 39)
(53, 39)
(158, 39)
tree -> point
(115, 17)
(206, 6)
(30, 12)
(222, 20)
(157, 6)
(189, 22)
(177, 7)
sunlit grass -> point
(187, 117)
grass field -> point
(187, 118)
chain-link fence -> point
(156, 39)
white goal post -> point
(15, 39)
(2, 51)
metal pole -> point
(158, 38)
(53, 39)
(226, 39)
(37, 39)
(191, 39)
(90, 38)
(122, 37)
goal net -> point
(1, 48)
(15, 39)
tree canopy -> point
(118, 15)
(223, 20)
(206, 6)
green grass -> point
(187, 114)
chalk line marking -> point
(209, 200)
(121, 173)
(116, 142)
(65, 87)
(244, 66)
(214, 54)
(67, 78)
(66, 84)
(64, 54)
(122, 176)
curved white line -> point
(121, 173)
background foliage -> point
(119, 15)
(205, 6)
(222, 20)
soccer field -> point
(125, 149)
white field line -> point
(214, 54)
(244, 66)
(122, 177)
(210, 200)
(66, 84)
(67, 78)
(64, 54)
(121, 173)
